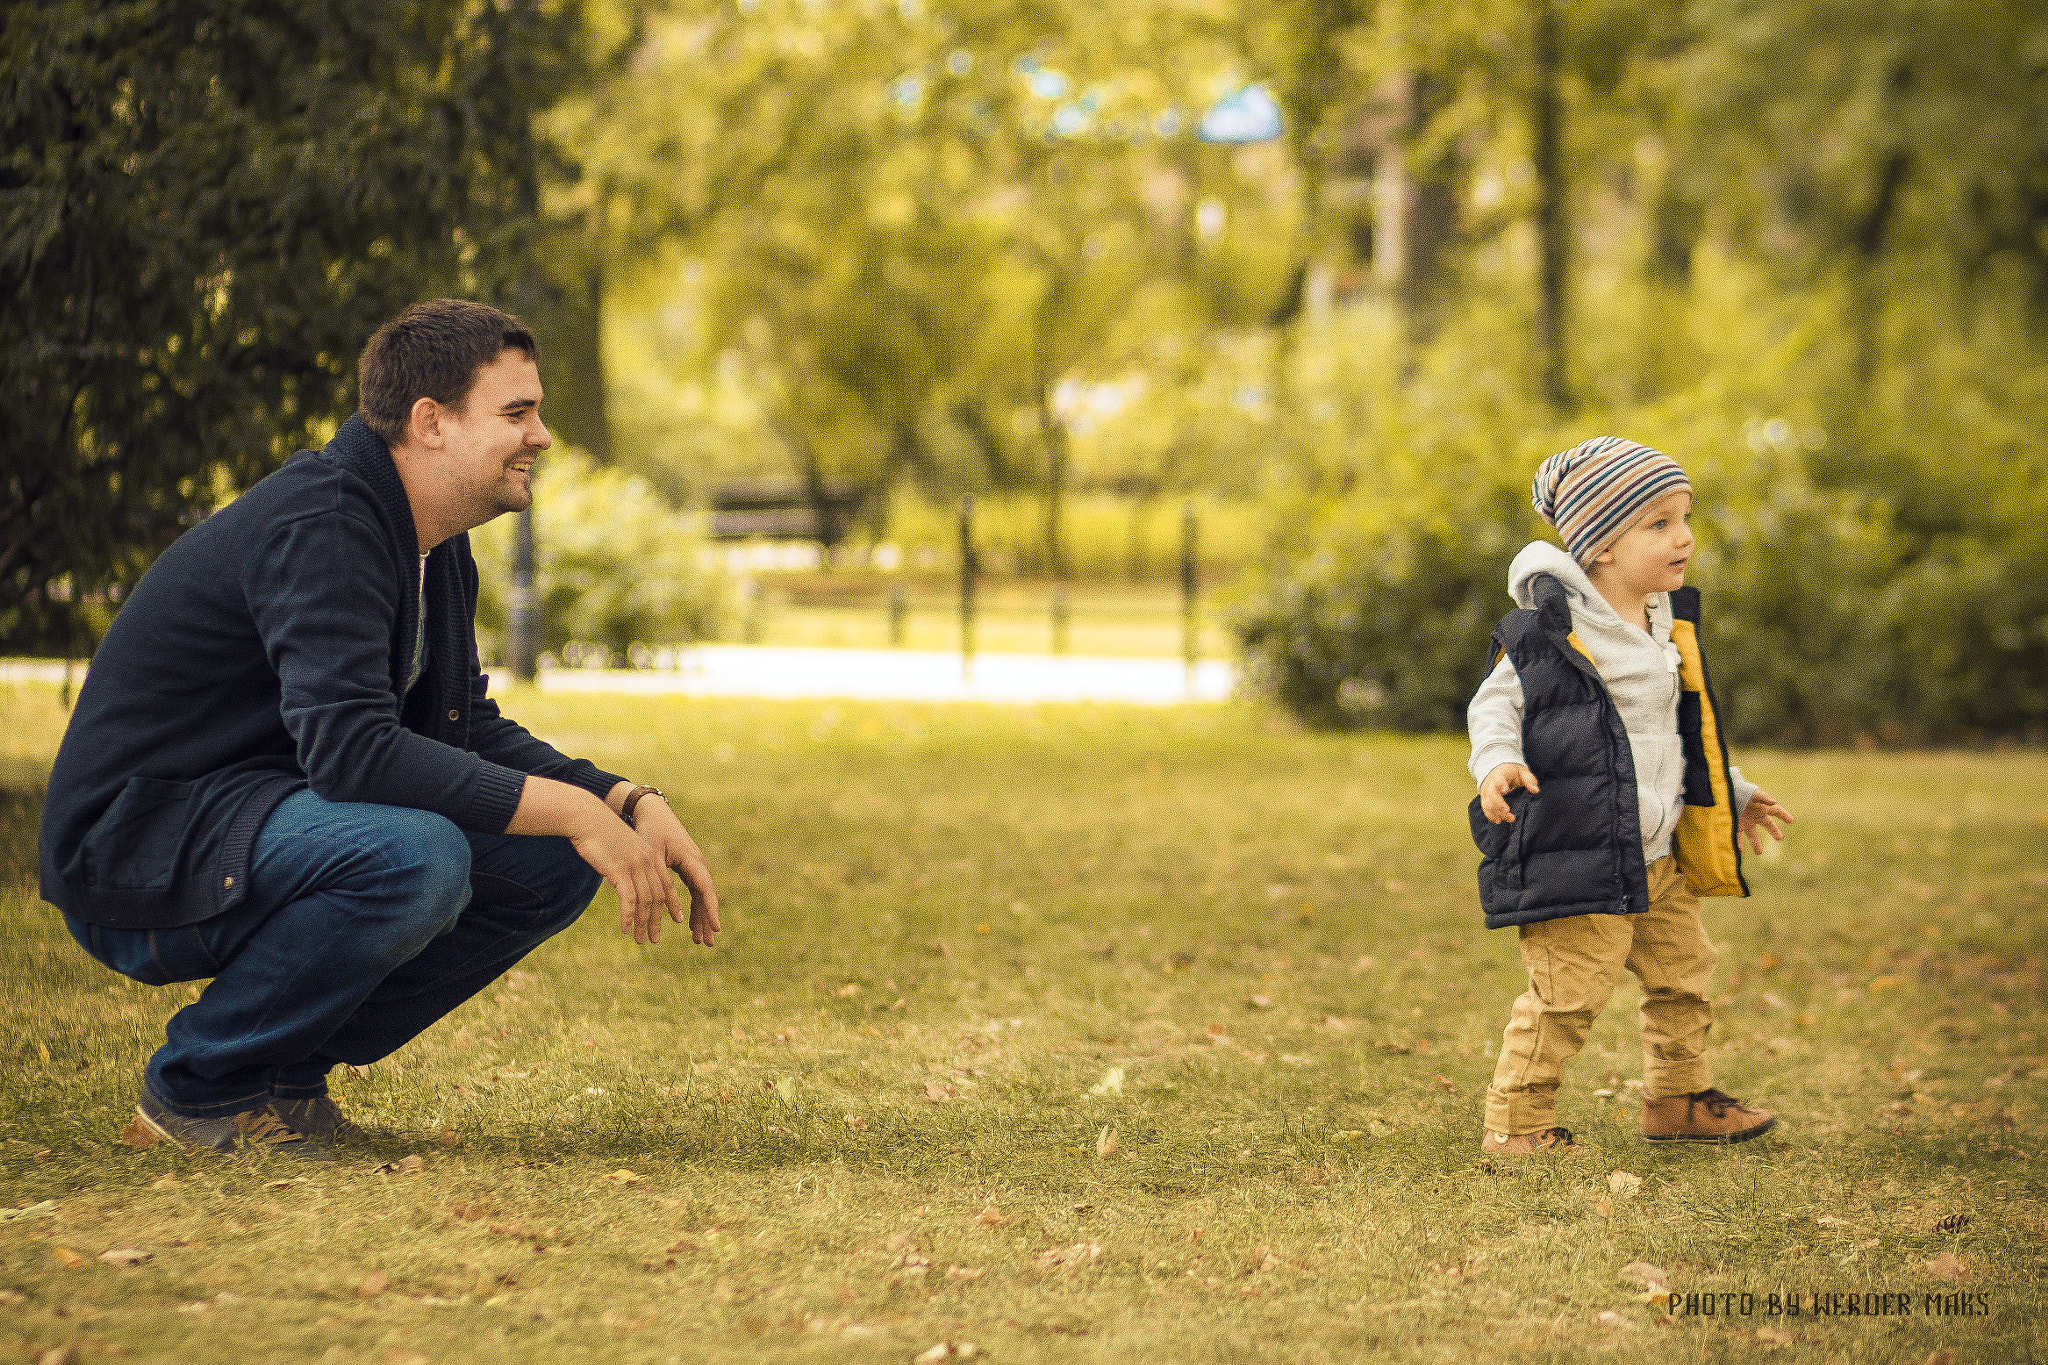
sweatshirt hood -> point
(1541, 557)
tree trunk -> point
(1553, 226)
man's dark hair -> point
(432, 350)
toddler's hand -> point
(1762, 813)
(1493, 791)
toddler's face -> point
(1651, 555)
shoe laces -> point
(264, 1126)
(1717, 1103)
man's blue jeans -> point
(363, 926)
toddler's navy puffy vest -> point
(1576, 847)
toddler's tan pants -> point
(1574, 965)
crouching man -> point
(285, 770)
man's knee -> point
(422, 869)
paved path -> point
(909, 675)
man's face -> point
(492, 439)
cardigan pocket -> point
(135, 845)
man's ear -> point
(423, 424)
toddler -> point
(1607, 805)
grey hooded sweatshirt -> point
(1641, 673)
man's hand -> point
(1762, 813)
(1493, 791)
(664, 833)
(636, 868)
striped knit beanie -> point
(1591, 492)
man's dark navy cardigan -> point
(264, 653)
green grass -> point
(947, 926)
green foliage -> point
(205, 208)
(1866, 571)
(618, 567)
(906, 229)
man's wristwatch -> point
(633, 799)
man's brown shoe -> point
(1703, 1116)
(1524, 1144)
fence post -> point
(1060, 615)
(1190, 619)
(899, 615)
(967, 571)
(525, 629)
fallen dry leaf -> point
(1607, 1317)
(1605, 1208)
(1445, 1084)
(139, 1134)
(934, 1093)
(1112, 1083)
(1947, 1267)
(450, 1138)
(1217, 1034)
(407, 1165)
(165, 1182)
(990, 1217)
(1105, 1143)
(125, 1256)
(1829, 1220)
(1647, 1275)
(67, 1258)
(947, 1350)
(622, 1176)
(1263, 1260)
(1624, 1184)
(1771, 1338)
(849, 990)
(372, 1285)
(67, 1354)
(285, 1184)
(1940, 1358)
(854, 1121)
(962, 1272)
(398, 1355)
(1259, 1002)
(36, 1210)
(1061, 1258)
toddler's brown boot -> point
(1523, 1144)
(1703, 1116)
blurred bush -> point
(618, 566)
(1871, 554)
